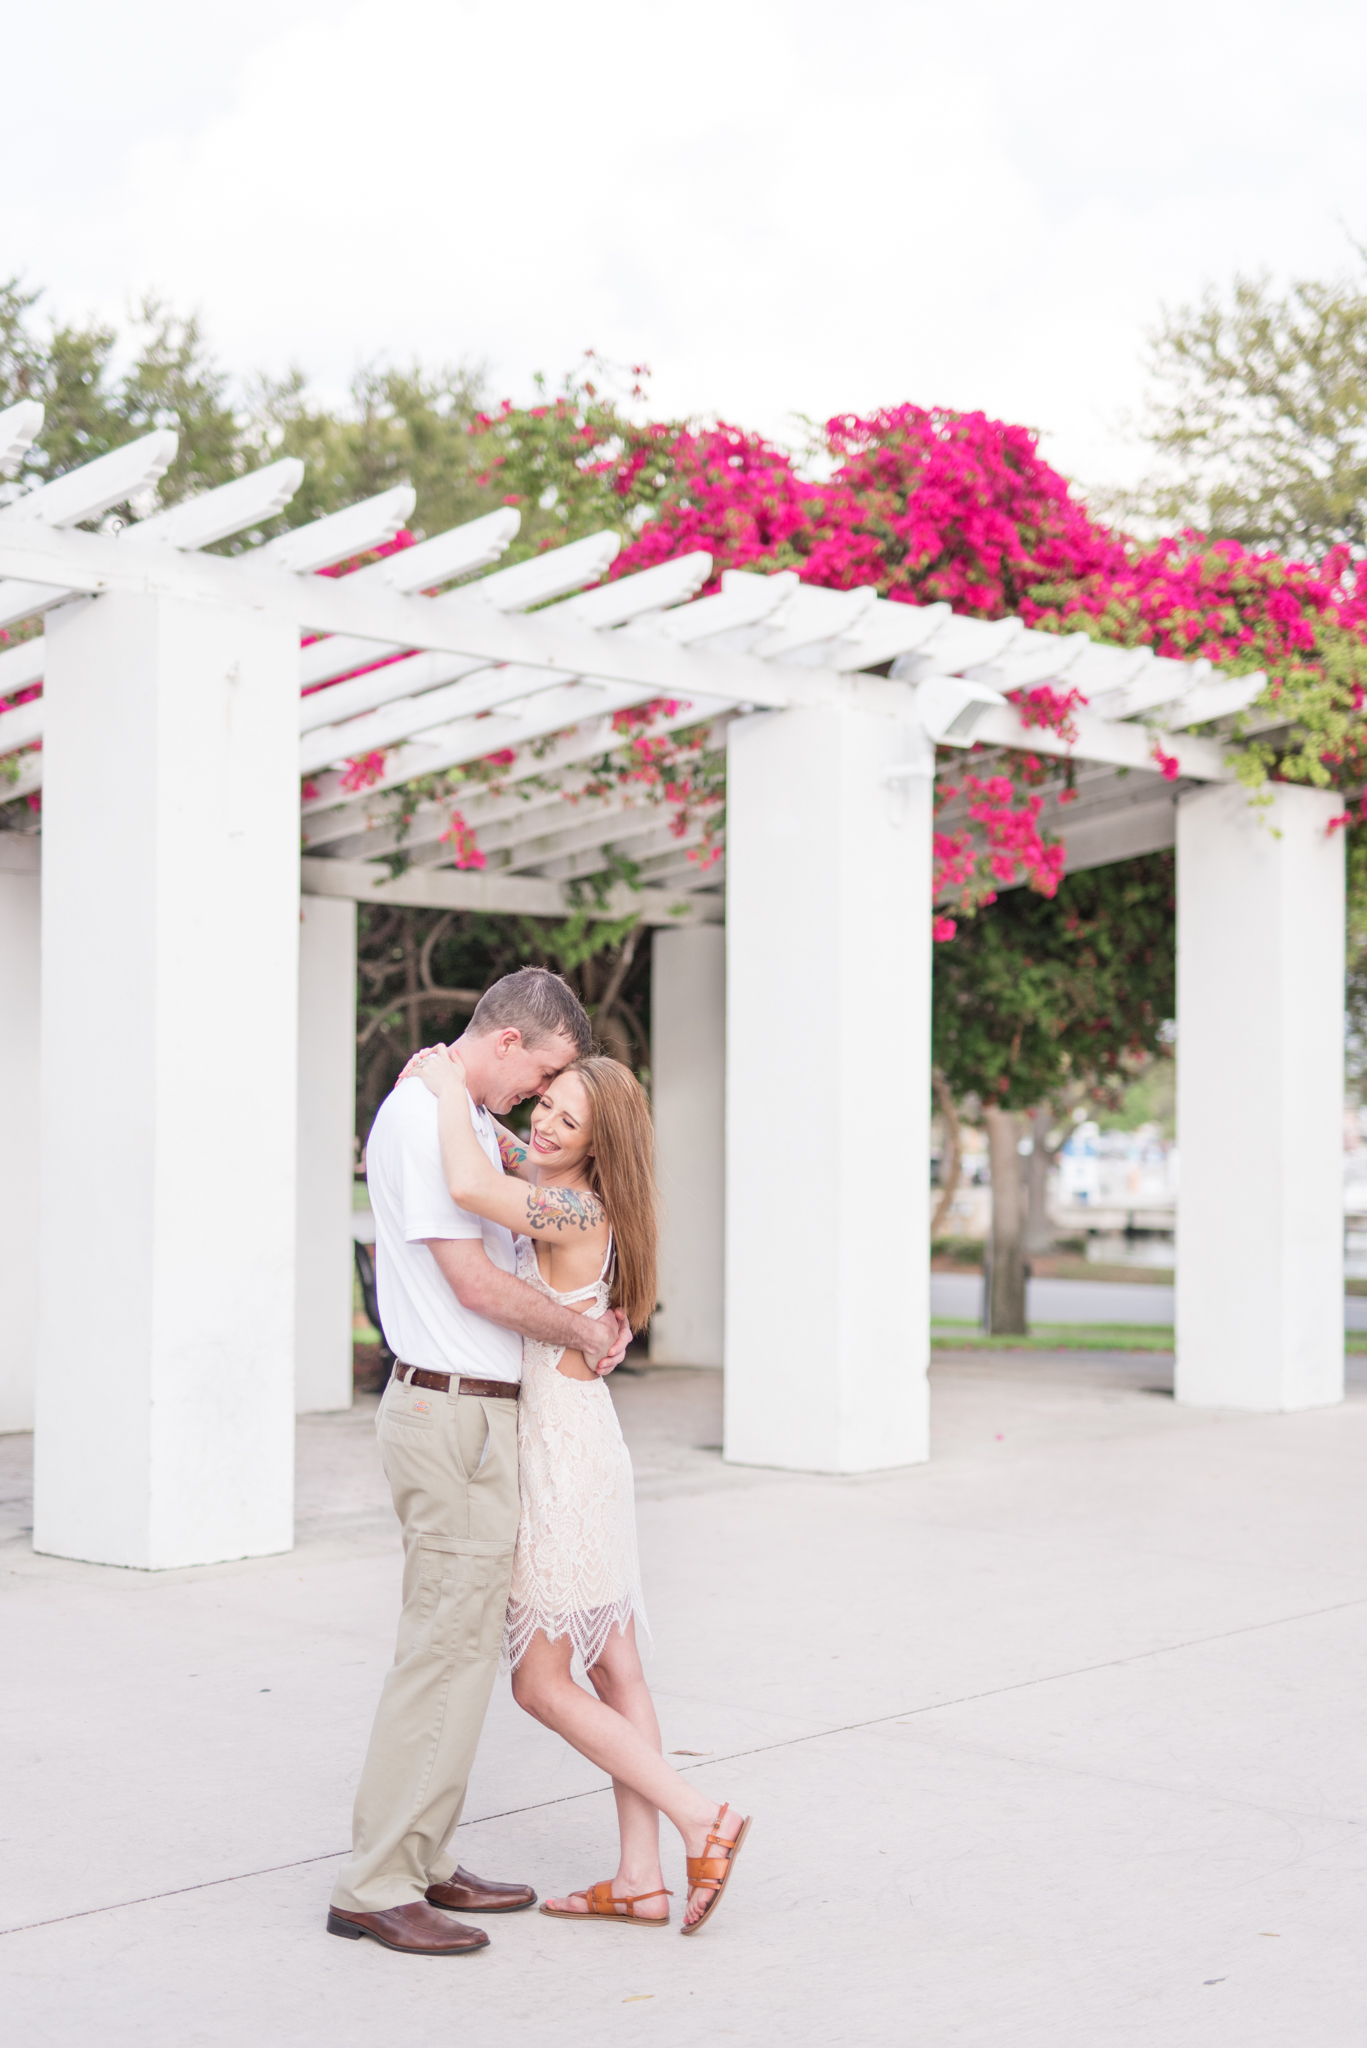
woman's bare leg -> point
(620, 1683)
(620, 1743)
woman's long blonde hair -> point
(621, 1173)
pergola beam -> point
(459, 624)
(473, 889)
(1106, 740)
(595, 854)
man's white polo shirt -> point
(424, 1323)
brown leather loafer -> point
(413, 1929)
(462, 1893)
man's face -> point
(520, 1072)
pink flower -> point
(1051, 709)
(363, 772)
(462, 838)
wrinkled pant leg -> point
(452, 1465)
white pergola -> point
(181, 1283)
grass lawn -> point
(1064, 1266)
(965, 1336)
(956, 1335)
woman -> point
(581, 1199)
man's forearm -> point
(517, 1306)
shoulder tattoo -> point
(563, 1209)
(509, 1151)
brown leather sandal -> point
(714, 1872)
(603, 1906)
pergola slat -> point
(82, 493)
(20, 426)
(338, 536)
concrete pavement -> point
(1055, 1740)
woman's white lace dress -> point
(576, 1570)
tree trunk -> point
(1005, 1275)
(1039, 1234)
(951, 1162)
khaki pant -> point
(451, 1461)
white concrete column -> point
(688, 1096)
(165, 1419)
(827, 1090)
(327, 1117)
(19, 954)
(1260, 968)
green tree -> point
(573, 463)
(400, 426)
(578, 462)
(1041, 994)
(1259, 415)
(92, 405)
(421, 972)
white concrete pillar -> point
(19, 955)
(827, 1089)
(688, 1096)
(327, 1116)
(1260, 968)
(165, 1419)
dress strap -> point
(607, 1261)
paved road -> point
(958, 1297)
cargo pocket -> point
(472, 1580)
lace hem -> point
(587, 1629)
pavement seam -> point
(761, 1749)
(177, 1891)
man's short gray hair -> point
(537, 1003)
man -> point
(454, 1315)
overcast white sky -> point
(781, 205)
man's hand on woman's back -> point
(613, 1357)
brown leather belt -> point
(440, 1383)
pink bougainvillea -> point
(363, 772)
(932, 505)
(1006, 847)
(929, 505)
(926, 505)
(1051, 710)
(465, 852)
